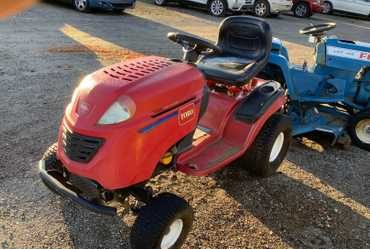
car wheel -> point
(270, 147)
(327, 7)
(359, 129)
(262, 8)
(217, 7)
(301, 10)
(81, 5)
(160, 2)
(163, 223)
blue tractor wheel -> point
(359, 129)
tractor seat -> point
(245, 43)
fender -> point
(256, 104)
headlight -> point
(121, 110)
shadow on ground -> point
(303, 217)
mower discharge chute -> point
(136, 119)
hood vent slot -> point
(134, 70)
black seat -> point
(246, 43)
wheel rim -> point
(326, 8)
(217, 7)
(159, 2)
(260, 9)
(174, 232)
(81, 4)
(363, 131)
(276, 148)
(301, 10)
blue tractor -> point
(334, 95)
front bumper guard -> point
(61, 188)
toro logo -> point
(186, 113)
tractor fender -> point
(258, 101)
(278, 68)
(363, 86)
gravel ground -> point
(320, 199)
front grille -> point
(80, 148)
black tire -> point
(50, 157)
(77, 4)
(301, 10)
(328, 9)
(155, 219)
(160, 2)
(217, 8)
(257, 159)
(354, 127)
(261, 5)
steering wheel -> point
(318, 29)
(192, 43)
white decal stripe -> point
(348, 53)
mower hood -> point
(151, 83)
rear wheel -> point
(359, 129)
(163, 223)
(160, 2)
(217, 7)
(270, 147)
(262, 8)
(81, 5)
(327, 7)
(301, 10)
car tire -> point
(270, 147)
(81, 5)
(359, 129)
(163, 223)
(327, 7)
(217, 8)
(160, 2)
(261, 8)
(301, 10)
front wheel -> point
(217, 7)
(270, 147)
(359, 129)
(163, 223)
(81, 5)
(262, 8)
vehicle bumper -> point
(58, 184)
(244, 5)
(316, 8)
(282, 6)
(112, 5)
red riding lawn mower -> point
(134, 120)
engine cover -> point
(167, 97)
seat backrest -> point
(245, 37)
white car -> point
(360, 7)
(261, 8)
